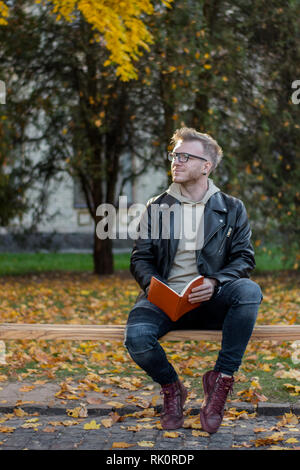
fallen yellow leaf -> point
(107, 422)
(121, 445)
(288, 418)
(145, 443)
(292, 440)
(69, 422)
(171, 434)
(26, 388)
(30, 425)
(78, 412)
(277, 448)
(32, 420)
(7, 429)
(49, 429)
(193, 423)
(295, 389)
(260, 429)
(115, 404)
(91, 425)
(20, 413)
(135, 428)
(200, 433)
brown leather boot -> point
(216, 389)
(175, 395)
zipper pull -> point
(229, 232)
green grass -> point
(22, 263)
(267, 259)
(271, 258)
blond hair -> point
(210, 146)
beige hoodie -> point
(184, 267)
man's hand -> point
(203, 292)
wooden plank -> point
(17, 331)
(23, 331)
(260, 333)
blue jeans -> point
(232, 309)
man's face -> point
(193, 169)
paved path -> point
(37, 419)
(140, 431)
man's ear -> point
(208, 169)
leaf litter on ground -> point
(105, 367)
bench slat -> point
(20, 331)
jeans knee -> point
(139, 338)
(247, 292)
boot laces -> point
(171, 399)
(219, 394)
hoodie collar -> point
(175, 191)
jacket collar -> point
(217, 203)
(215, 216)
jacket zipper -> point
(224, 239)
(212, 235)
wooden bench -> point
(25, 331)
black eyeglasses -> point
(182, 157)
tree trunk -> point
(103, 256)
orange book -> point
(167, 299)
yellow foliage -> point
(3, 13)
(117, 24)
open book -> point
(167, 299)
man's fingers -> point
(201, 292)
(199, 299)
(200, 288)
(197, 290)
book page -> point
(188, 285)
(166, 285)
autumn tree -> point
(75, 100)
(59, 84)
(118, 26)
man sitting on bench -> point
(214, 241)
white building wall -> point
(73, 224)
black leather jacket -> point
(227, 252)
